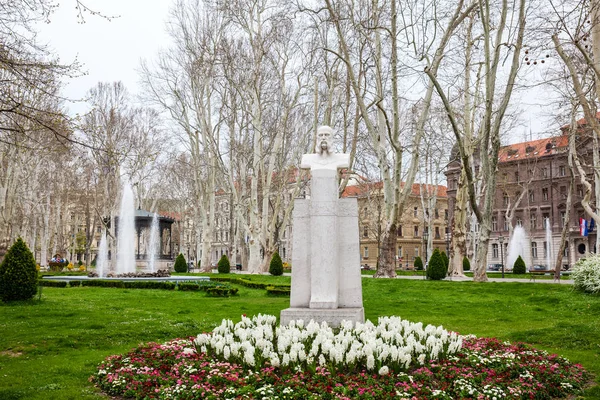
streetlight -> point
(501, 240)
(425, 237)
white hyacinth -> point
(398, 344)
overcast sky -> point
(109, 50)
(112, 50)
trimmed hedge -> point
(278, 290)
(47, 283)
(221, 291)
(130, 284)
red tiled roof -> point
(533, 148)
(582, 121)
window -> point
(494, 224)
(416, 252)
(437, 232)
(416, 231)
(365, 252)
(532, 222)
(566, 251)
(446, 214)
(519, 221)
(563, 215)
(416, 212)
(563, 192)
(545, 249)
(505, 199)
(399, 251)
(494, 250)
(580, 190)
(365, 231)
(505, 224)
(544, 172)
(531, 196)
(562, 170)
(545, 194)
(399, 230)
(534, 249)
(517, 176)
(437, 213)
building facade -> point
(424, 214)
(533, 184)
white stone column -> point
(323, 239)
(300, 293)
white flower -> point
(384, 370)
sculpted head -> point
(324, 140)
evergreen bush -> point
(436, 270)
(466, 264)
(446, 261)
(18, 275)
(223, 266)
(418, 263)
(519, 267)
(180, 264)
(276, 265)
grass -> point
(49, 348)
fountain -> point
(126, 233)
(102, 261)
(153, 242)
(549, 246)
(517, 246)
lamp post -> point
(425, 237)
(501, 240)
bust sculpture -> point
(326, 282)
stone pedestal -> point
(326, 280)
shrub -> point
(276, 266)
(519, 267)
(80, 263)
(48, 283)
(418, 264)
(466, 264)
(436, 270)
(223, 266)
(446, 261)
(278, 291)
(180, 264)
(18, 276)
(586, 274)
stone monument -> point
(326, 279)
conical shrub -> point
(418, 264)
(519, 267)
(18, 275)
(436, 269)
(466, 264)
(276, 265)
(223, 266)
(180, 264)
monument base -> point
(333, 317)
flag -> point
(583, 227)
(592, 225)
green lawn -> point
(49, 348)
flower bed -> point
(465, 367)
